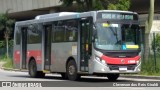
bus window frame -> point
(55, 24)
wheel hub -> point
(71, 70)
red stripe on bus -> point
(16, 57)
(110, 60)
(37, 54)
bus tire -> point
(72, 71)
(112, 77)
(64, 75)
(33, 70)
(40, 74)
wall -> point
(25, 5)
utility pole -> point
(148, 27)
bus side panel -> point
(35, 51)
(16, 56)
(60, 53)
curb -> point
(141, 77)
(8, 69)
(11, 69)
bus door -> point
(47, 46)
(85, 43)
(23, 50)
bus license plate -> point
(122, 68)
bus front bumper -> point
(104, 68)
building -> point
(28, 9)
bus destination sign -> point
(117, 16)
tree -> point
(87, 5)
(6, 26)
(83, 5)
(120, 5)
(148, 28)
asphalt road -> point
(86, 82)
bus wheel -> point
(64, 75)
(72, 71)
(40, 74)
(33, 70)
(112, 77)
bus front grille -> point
(116, 67)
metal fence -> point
(3, 52)
(153, 61)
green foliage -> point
(6, 23)
(2, 44)
(97, 5)
(6, 26)
(148, 67)
(83, 5)
(112, 7)
(87, 5)
(67, 2)
(120, 5)
(2, 57)
(157, 43)
(10, 43)
(8, 63)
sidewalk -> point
(141, 77)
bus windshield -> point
(117, 36)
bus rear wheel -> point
(72, 71)
(112, 77)
(33, 70)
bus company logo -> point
(21, 84)
(122, 61)
(6, 84)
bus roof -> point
(120, 11)
(48, 17)
(55, 15)
(51, 15)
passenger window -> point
(59, 32)
(65, 31)
(34, 35)
(71, 30)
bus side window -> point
(58, 32)
(65, 31)
(71, 30)
(34, 34)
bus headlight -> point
(139, 61)
(100, 60)
(103, 62)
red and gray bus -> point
(104, 42)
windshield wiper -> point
(114, 33)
